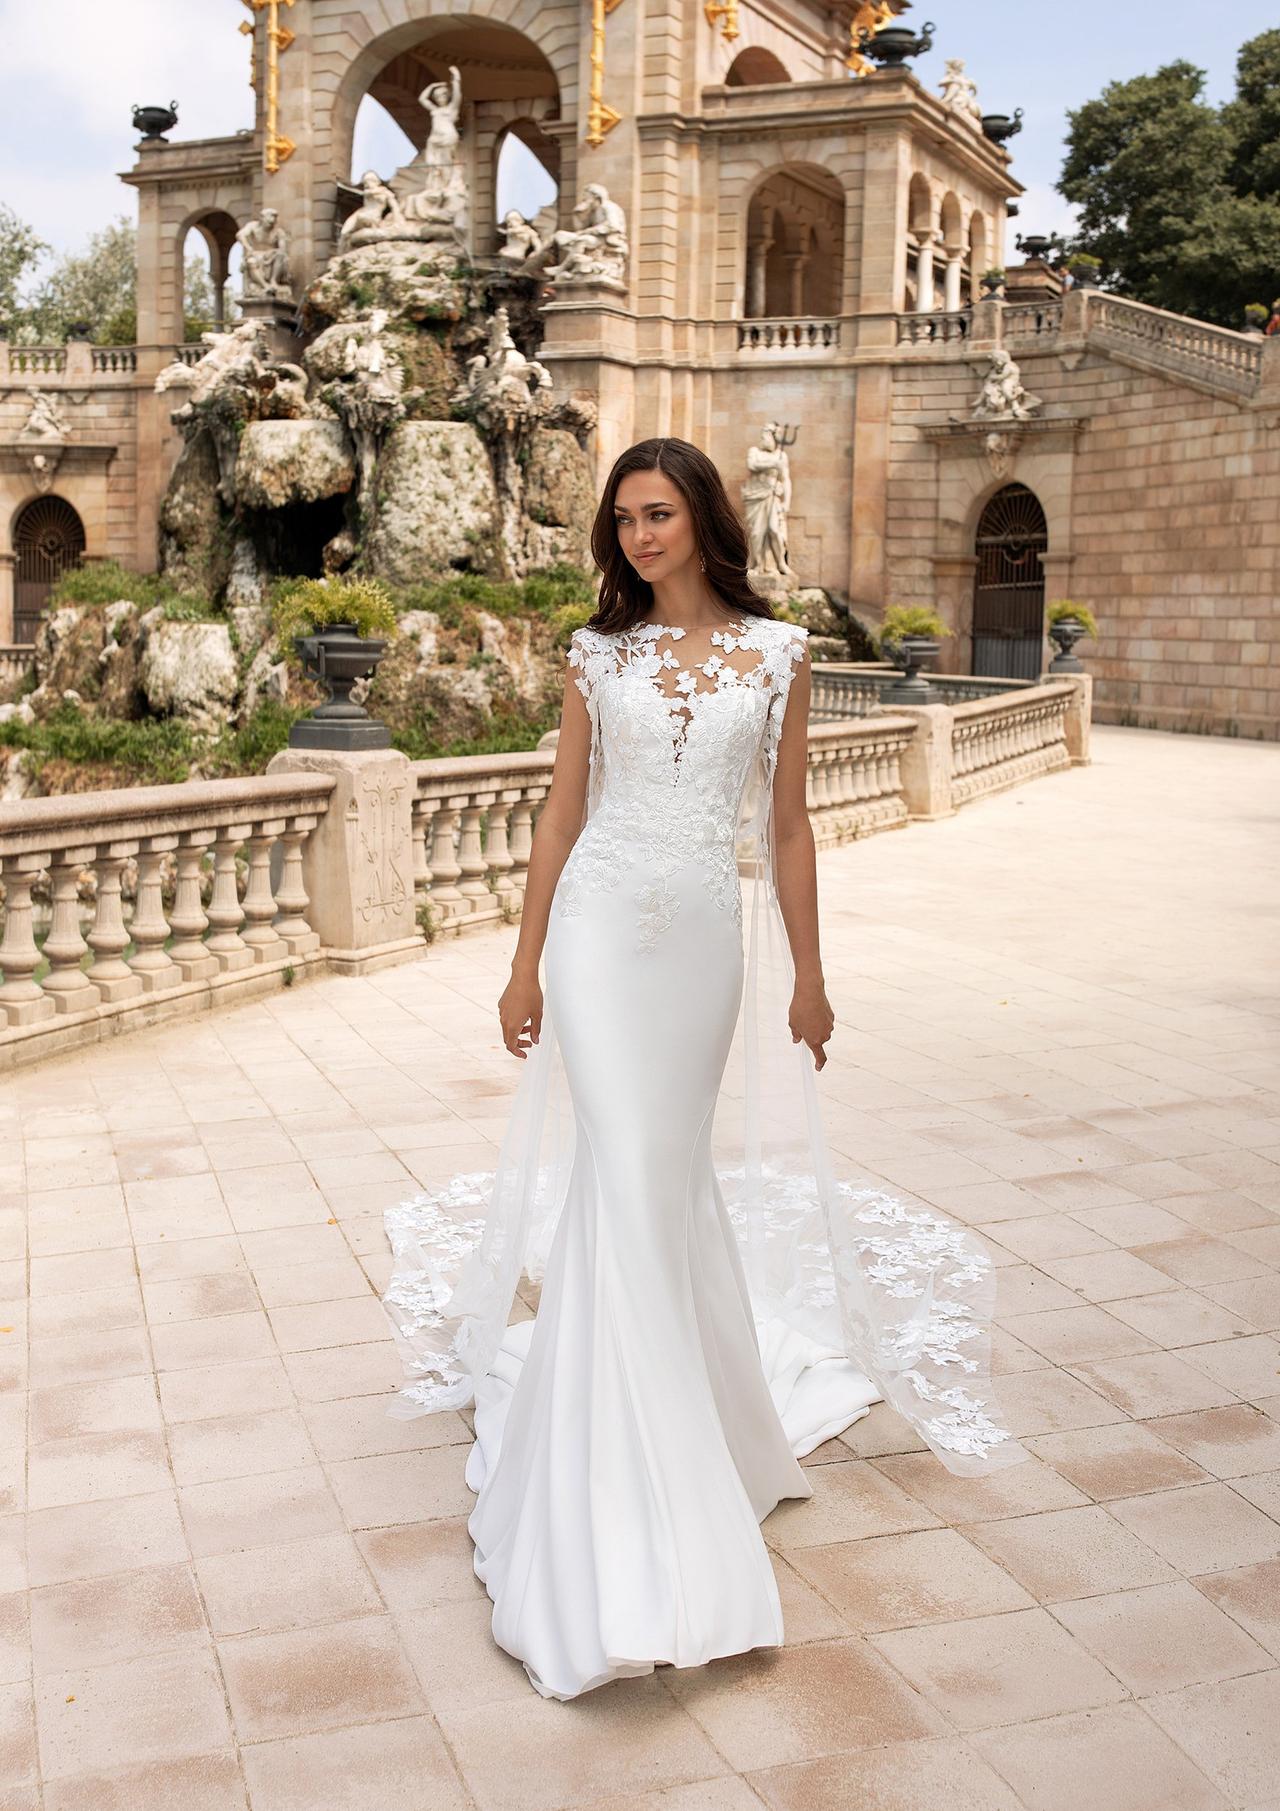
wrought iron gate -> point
(1008, 595)
(48, 539)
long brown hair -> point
(718, 533)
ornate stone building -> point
(805, 249)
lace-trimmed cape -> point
(903, 1292)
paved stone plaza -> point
(232, 1580)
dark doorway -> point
(48, 540)
(1008, 595)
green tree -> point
(21, 249)
(1177, 197)
(96, 286)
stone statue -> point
(521, 239)
(766, 499)
(439, 210)
(379, 215)
(593, 251)
(960, 92)
(46, 420)
(236, 381)
(266, 272)
(503, 389)
(370, 400)
(1002, 397)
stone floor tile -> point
(315, 1326)
(1068, 1336)
(458, 1663)
(1107, 1276)
(901, 1580)
(1070, 1553)
(206, 1391)
(1023, 1290)
(126, 1616)
(1134, 1223)
(1231, 1442)
(175, 1260)
(183, 1344)
(74, 1271)
(1113, 1759)
(345, 1371)
(1200, 1261)
(15, 1639)
(806, 1613)
(1162, 1638)
(1120, 1461)
(259, 1511)
(287, 1586)
(907, 1776)
(1044, 1237)
(1256, 1301)
(237, 1446)
(292, 1247)
(88, 1467)
(160, 1708)
(304, 1680)
(1204, 1528)
(293, 1285)
(211, 1782)
(1042, 1402)
(1231, 1730)
(1179, 1317)
(850, 1500)
(881, 1430)
(201, 1298)
(401, 1487)
(419, 1564)
(1015, 1490)
(17, 1744)
(1250, 1595)
(398, 1766)
(728, 1793)
(360, 1428)
(88, 1357)
(1155, 1383)
(116, 1405)
(1249, 1366)
(1218, 1212)
(93, 1540)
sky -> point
(71, 69)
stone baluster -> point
(291, 895)
(497, 852)
(66, 982)
(260, 935)
(445, 870)
(22, 999)
(151, 961)
(226, 914)
(474, 886)
(520, 837)
(188, 920)
(108, 939)
(421, 838)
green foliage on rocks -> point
(106, 582)
(153, 751)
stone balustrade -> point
(938, 328)
(34, 361)
(1173, 341)
(855, 688)
(342, 863)
(178, 949)
(1031, 320)
(115, 358)
(786, 333)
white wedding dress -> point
(714, 1304)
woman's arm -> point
(558, 827)
(811, 1017)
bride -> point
(715, 1301)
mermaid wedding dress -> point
(715, 1303)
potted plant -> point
(992, 281)
(1069, 623)
(1256, 317)
(910, 635)
(339, 628)
(1084, 268)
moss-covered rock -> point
(285, 462)
(410, 281)
(434, 508)
(195, 546)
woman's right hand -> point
(520, 1010)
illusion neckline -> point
(732, 625)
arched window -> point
(208, 259)
(752, 68)
(48, 540)
(1008, 596)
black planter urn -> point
(1085, 278)
(1065, 633)
(909, 655)
(1038, 247)
(893, 46)
(337, 656)
(154, 122)
(1001, 126)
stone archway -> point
(48, 540)
(795, 239)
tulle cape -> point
(900, 1290)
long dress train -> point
(631, 1439)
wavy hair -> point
(718, 533)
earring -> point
(703, 564)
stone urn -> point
(154, 122)
(1001, 126)
(1084, 276)
(1065, 633)
(909, 655)
(992, 287)
(892, 47)
(337, 656)
(1038, 247)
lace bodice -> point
(676, 745)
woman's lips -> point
(648, 556)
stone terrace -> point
(232, 1581)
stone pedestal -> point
(926, 761)
(1079, 716)
(276, 316)
(357, 867)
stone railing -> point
(36, 361)
(1176, 343)
(181, 947)
(801, 333)
(853, 689)
(936, 329)
(115, 358)
(1031, 320)
(122, 908)
(189, 354)
(15, 660)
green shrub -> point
(1081, 612)
(107, 582)
(155, 751)
(910, 619)
(247, 749)
(302, 606)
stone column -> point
(926, 239)
(7, 563)
(797, 265)
(952, 299)
(757, 276)
(357, 865)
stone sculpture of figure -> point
(593, 251)
(766, 499)
(237, 348)
(440, 207)
(378, 214)
(443, 101)
(46, 420)
(1002, 397)
(521, 238)
(266, 271)
(959, 91)
(503, 390)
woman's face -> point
(655, 525)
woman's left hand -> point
(811, 1019)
